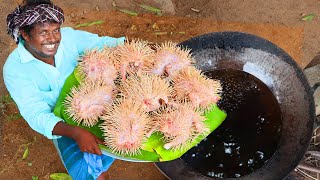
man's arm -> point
(84, 40)
(40, 118)
(31, 104)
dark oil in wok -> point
(250, 134)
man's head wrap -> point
(28, 15)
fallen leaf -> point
(308, 17)
(30, 164)
(89, 24)
(25, 154)
(35, 177)
(151, 9)
(60, 176)
(160, 33)
(96, 22)
(131, 13)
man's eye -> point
(57, 30)
(43, 33)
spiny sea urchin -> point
(84, 104)
(180, 126)
(125, 126)
(148, 89)
(132, 57)
(97, 65)
(170, 59)
(190, 84)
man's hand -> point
(86, 141)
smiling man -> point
(35, 72)
(43, 41)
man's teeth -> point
(49, 46)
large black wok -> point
(284, 78)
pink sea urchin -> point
(125, 127)
(192, 85)
(132, 57)
(148, 89)
(170, 59)
(97, 65)
(180, 126)
(87, 102)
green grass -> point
(5, 101)
(13, 117)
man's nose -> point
(52, 37)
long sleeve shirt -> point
(35, 86)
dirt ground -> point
(277, 21)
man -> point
(34, 74)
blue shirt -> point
(35, 86)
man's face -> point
(43, 40)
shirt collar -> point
(26, 56)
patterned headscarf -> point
(28, 15)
